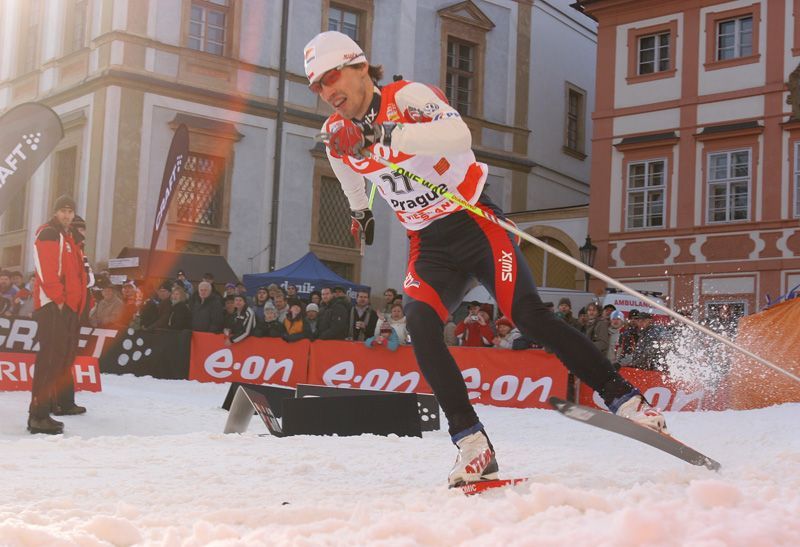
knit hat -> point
(616, 314)
(329, 50)
(312, 307)
(62, 202)
(566, 301)
(504, 321)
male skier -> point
(411, 124)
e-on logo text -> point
(220, 365)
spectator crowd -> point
(330, 314)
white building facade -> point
(123, 74)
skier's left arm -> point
(439, 129)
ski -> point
(478, 487)
(623, 426)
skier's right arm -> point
(352, 183)
(353, 187)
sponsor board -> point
(497, 377)
(17, 371)
(504, 377)
(19, 335)
(521, 379)
(252, 361)
(663, 393)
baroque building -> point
(123, 74)
(695, 184)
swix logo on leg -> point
(410, 282)
(506, 266)
(479, 463)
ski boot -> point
(635, 407)
(475, 460)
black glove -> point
(362, 221)
(377, 133)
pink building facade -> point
(695, 181)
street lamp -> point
(588, 252)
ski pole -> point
(578, 264)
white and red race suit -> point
(438, 151)
(449, 246)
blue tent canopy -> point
(308, 273)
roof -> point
(580, 6)
(167, 263)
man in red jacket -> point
(59, 296)
(473, 331)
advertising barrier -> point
(521, 379)
(18, 335)
(254, 360)
(662, 392)
(159, 353)
(17, 370)
(497, 377)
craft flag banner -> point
(28, 134)
(173, 170)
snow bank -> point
(148, 464)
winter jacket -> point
(398, 326)
(333, 319)
(311, 328)
(293, 326)
(272, 329)
(570, 319)
(208, 315)
(108, 313)
(613, 342)
(507, 341)
(258, 309)
(155, 311)
(391, 343)
(240, 324)
(369, 317)
(596, 330)
(282, 313)
(178, 317)
(473, 334)
(60, 277)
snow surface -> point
(148, 464)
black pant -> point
(58, 343)
(443, 257)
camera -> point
(473, 317)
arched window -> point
(549, 270)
